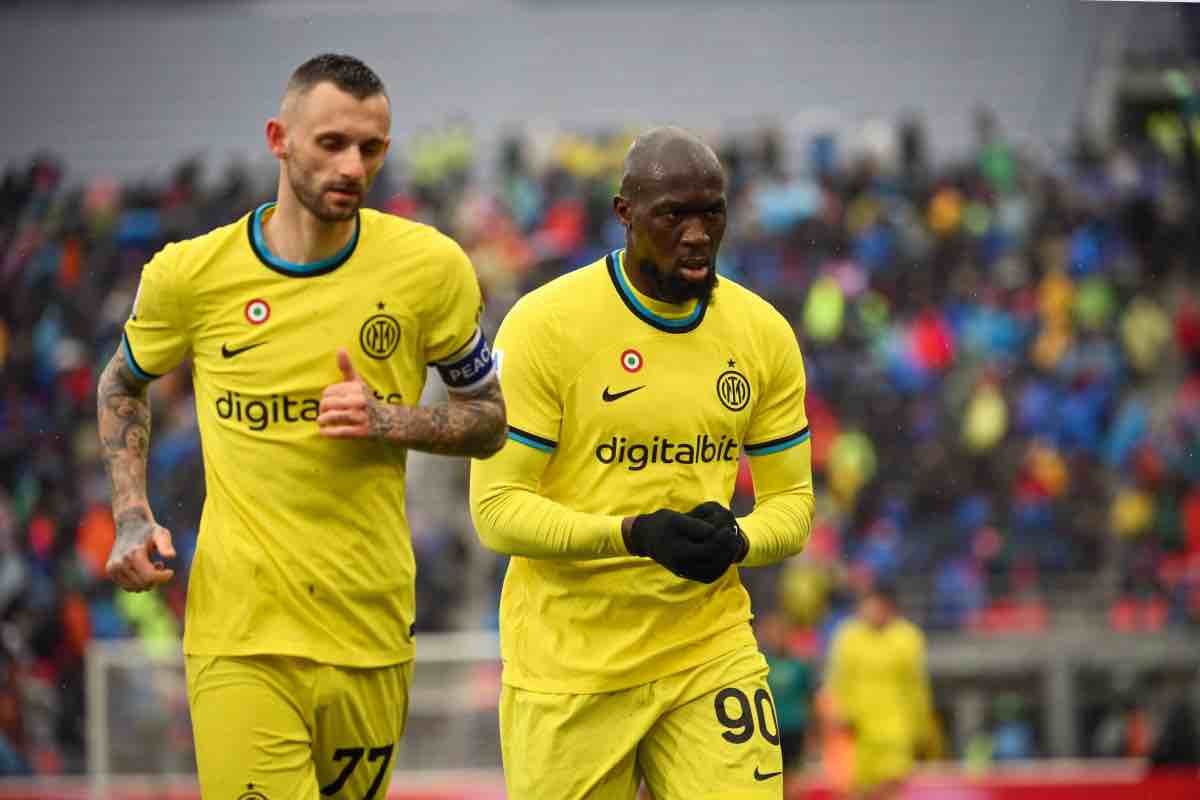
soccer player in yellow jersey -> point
(309, 324)
(880, 690)
(633, 387)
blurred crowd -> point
(1003, 359)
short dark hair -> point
(345, 72)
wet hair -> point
(345, 72)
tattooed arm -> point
(466, 425)
(124, 423)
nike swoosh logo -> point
(230, 352)
(764, 776)
(608, 396)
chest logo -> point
(608, 396)
(257, 311)
(379, 335)
(231, 352)
(631, 360)
(733, 389)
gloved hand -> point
(721, 517)
(689, 547)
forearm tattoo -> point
(473, 426)
(133, 524)
(123, 411)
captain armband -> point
(470, 368)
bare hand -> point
(139, 537)
(347, 408)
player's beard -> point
(674, 288)
(314, 199)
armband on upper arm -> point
(470, 368)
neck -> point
(294, 234)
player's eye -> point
(330, 143)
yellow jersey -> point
(304, 549)
(618, 405)
(879, 682)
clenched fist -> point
(138, 537)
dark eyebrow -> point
(669, 204)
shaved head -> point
(672, 204)
(660, 153)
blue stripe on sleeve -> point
(133, 365)
(528, 442)
(778, 445)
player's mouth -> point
(695, 268)
(343, 192)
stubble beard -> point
(314, 202)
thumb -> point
(343, 359)
(162, 542)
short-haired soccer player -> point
(309, 324)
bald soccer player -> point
(309, 323)
(633, 387)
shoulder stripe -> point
(133, 365)
(682, 325)
(531, 440)
(775, 445)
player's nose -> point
(694, 234)
(351, 167)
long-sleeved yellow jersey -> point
(620, 405)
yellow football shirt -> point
(879, 682)
(304, 548)
(619, 405)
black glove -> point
(721, 517)
(688, 547)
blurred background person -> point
(879, 687)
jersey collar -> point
(258, 244)
(641, 307)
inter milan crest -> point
(733, 389)
(379, 335)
